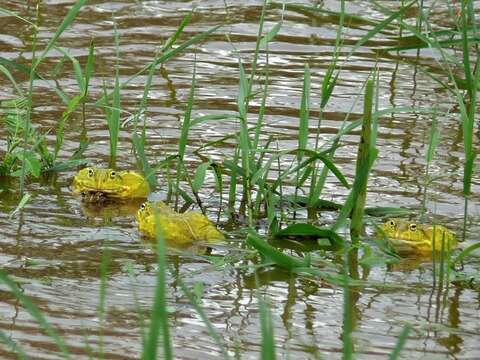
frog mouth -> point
(107, 191)
(94, 196)
(408, 245)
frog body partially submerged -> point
(409, 237)
(176, 228)
(98, 185)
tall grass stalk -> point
(159, 315)
(347, 312)
(328, 84)
(113, 113)
(28, 115)
(140, 142)
(201, 312)
(402, 339)
(303, 125)
(472, 80)
(72, 13)
(432, 146)
(182, 142)
(365, 148)
(266, 324)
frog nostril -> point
(90, 172)
(113, 174)
(413, 227)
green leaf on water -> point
(270, 253)
(309, 230)
(388, 211)
(199, 178)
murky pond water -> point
(54, 246)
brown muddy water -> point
(53, 248)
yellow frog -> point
(96, 185)
(409, 237)
(177, 228)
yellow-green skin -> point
(176, 228)
(408, 237)
(97, 184)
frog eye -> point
(90, 172)
(413, 227)
(113, 174)
(142, 207)
(392, 223)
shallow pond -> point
(53, 248)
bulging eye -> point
(392, 224)
(413, 227)
(90, 172)
(142, 207)
(113, 174)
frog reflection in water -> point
(177, 228)
(98, 185)
(408, 237)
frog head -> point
(110, 184)
(411, 237)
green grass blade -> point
(199, 177)
(166, 56)
(72, 105)
(266, 325)
(173, 39)
(13, 346)
(212, 117)
(89, 66)
(198, 308)
(71, 15)
(25, 199)
(11, 13)
(113, 116)
(380, 26)
(304, 112)
(7, 73)
(36, 313)
(360, 179)
(402, 339)
(271, 34)
(182, 142)
(465, 252)
(76, 68)
(159, 314)
(18, 67)
(365, 148)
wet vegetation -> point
(269, 198)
